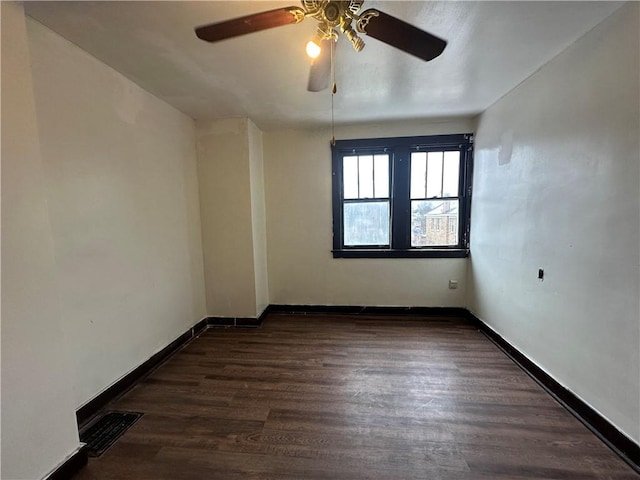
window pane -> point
(350, 176)
(366, 223)
(418, 174)
(381, 165)
(434, 223)
(365, 170)
(450, 174)
(434, 174)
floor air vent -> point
(102, 434)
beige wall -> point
(38, 420)
(121, 183)
(232, 212)
(557, 183)
(299, 229)
(258, 216)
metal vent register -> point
(100, 435)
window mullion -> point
(442, 175)
(373, 174)
(401, 202)
(426, 173)
(358, 167)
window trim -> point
(399, 150)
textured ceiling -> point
(493, 46)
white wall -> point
(557, 187)
(299, 229)
(38, 418)
(121, 182)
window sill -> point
(418, 253)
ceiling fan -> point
(333, 16)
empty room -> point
(320, 240)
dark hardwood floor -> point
(343, 397)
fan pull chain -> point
(333, 93)
(333, 131)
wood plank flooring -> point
(344, 397)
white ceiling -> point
(493, 46)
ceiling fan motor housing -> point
(331, 11)
(332, 14)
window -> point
(366, 201)
(402, 197)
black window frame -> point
(399, 150)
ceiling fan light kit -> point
(333, 17)
(313, 49)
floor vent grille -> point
(100, 435)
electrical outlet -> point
(453, 284)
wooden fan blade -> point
(249, 24)
(402, 35)
(320, 72)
